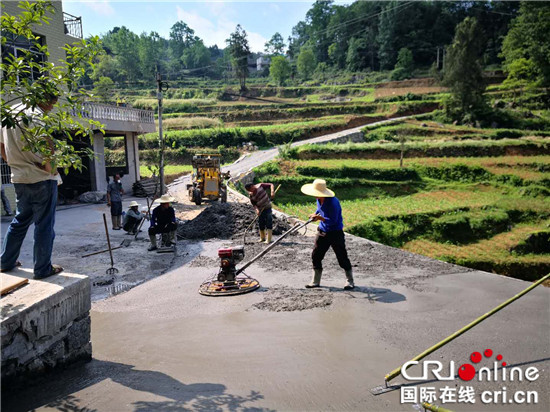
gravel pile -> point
(282, 298)
(224, 221)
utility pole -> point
(437, 65)
(162, 86)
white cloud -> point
(256, 42)
(101, 7)
(216, 31)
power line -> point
(357, 19)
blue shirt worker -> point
(329, 234)
(163, 221)
(114, 199)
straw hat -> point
(318, 189)
(133, 203)
(165, 199)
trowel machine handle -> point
(267, 249)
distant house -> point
(251, 62)
(124, 122)
(262, 62)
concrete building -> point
(118, 121)
(262, 62)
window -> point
(23, 47)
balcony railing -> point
(100, 112)
(73, 25)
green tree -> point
(404, 66)
(356, 54)
(276, 45)
(526, 49)
(103, 89)
(306, 62)
(337, 55)
(123, 44)
(464, 75)
(280, 69)
(181, 37)
(151, 50)
(387, 35)
(318, 18)
(61, 125)
(196, 56)
(239, 50)
(105, 65)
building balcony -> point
(120, 119)
(73, 25)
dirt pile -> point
(224, 221)
(281, 298)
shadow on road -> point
(381, 295)
(57, 390)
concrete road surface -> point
(162, 346)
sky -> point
(212, 21)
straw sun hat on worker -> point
(318, 189)
(165, 199)
(133, 203)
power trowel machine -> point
(232, 281)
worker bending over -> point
(262, 203)
(133, 218)
(163, 221)
(329, 234)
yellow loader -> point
(207, 181)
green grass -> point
(190, 123)
(168, 170)
(464, 204)
(379, 150)
(531, 168)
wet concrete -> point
(162, 346)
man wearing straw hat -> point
(133, 218)
(329, 234)
(163, 221)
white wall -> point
(133, 162)
(98, 172)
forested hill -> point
(365, 35)
(369, 34)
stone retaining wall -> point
(45, 324)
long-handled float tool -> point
(233, 281)
(397, 371)
(112, 270)
(257, 216)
